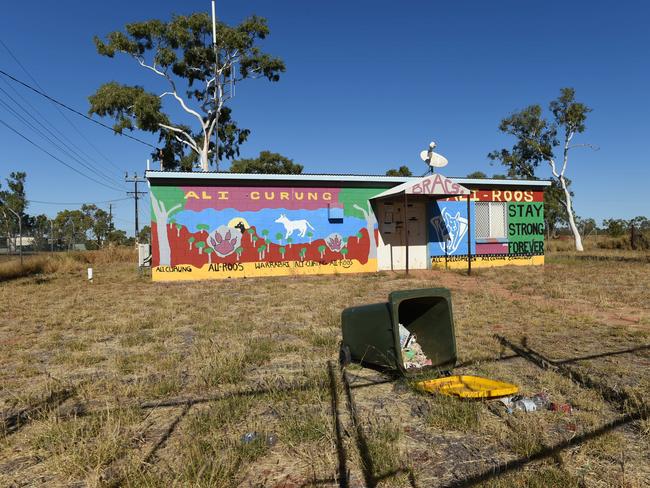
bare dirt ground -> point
(131, 383)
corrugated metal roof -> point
(214, 175)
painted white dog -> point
(291, 225)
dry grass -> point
(252, 354)
(70, 262)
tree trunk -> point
(369, 215)
(162, 214)
(164, 252)
(203, 155)
(569, 209)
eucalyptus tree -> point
(537, 139)
(198, 75)
(401, 171)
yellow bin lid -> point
(467, 387)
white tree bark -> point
(568, 203)
(369, 215)
(162, 215)
(210, 122)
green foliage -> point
(401, 171)
(536, 136)
(350, 197)
(586, 226)
(13, 198)
(477, 174)
(536, 139)
(568, 113)
(118, 237)
(144, 236)
(266, 163)
(100, 223)
(71, 226)
(615, 227)
(180, 52)
(131, 106)
(170, 197)
(641, 223)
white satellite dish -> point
(437, 161)
(434, 160)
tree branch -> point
(591, 146)
(184, 105)
(362, 210)
(190, 140)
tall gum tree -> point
(537, 139)
(199, 77)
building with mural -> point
(226, 225)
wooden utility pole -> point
(136, 195)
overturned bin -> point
(371, 332)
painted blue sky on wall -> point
(265, 220)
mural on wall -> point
(448, 228)
(220, 232)
(524, 243)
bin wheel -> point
(345, 358)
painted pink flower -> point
(335, 243)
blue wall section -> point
(449, 219)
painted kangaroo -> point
(291, 225)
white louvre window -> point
(491, 220)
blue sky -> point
(368, 85)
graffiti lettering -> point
(226, 267)
(436, 185)
(526, 229)
(343, 263)
(263, 264)
(526, 247)
(435, 260)
(525, 210)
(174, 269)
(222, 195)
(510, 196)
(300, 196)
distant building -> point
(226, 225)
(14, 244)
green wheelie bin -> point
(371, 332)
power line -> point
(43, 122)
(45, 95)
(79, 203)
(66, 150)
(58, 159)
(57, 108)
